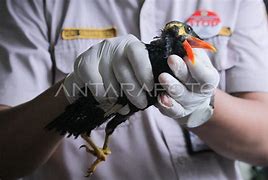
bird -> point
(84, 115)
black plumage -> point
(84, 115)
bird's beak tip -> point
(193, 42)
(213, 49)
(198, 43)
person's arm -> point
(28, 145)
(239, 127)
(25, 144)
(25, 72)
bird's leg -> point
(105, 147)
(100, 153)
(92, 148)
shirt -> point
(149, 145)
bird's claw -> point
(104, 153)
(100, 153)
(88, 149)
(93, 167)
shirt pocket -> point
(225, 57)
(66, 51)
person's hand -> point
(190, 94)
(111, 68)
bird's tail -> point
(80, 117)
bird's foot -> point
(100, 153)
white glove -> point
(188, 97)
(110, 68)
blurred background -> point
(250, 172)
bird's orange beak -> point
(193, 42)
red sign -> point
(204, 18)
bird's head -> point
(188, 38)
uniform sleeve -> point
(25, 64)
(250, 43)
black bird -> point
(84, 115)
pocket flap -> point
(66, 51)
(224, 58)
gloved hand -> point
(188, 97)
(110, 68)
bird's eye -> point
(188, 29)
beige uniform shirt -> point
(149, 145)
